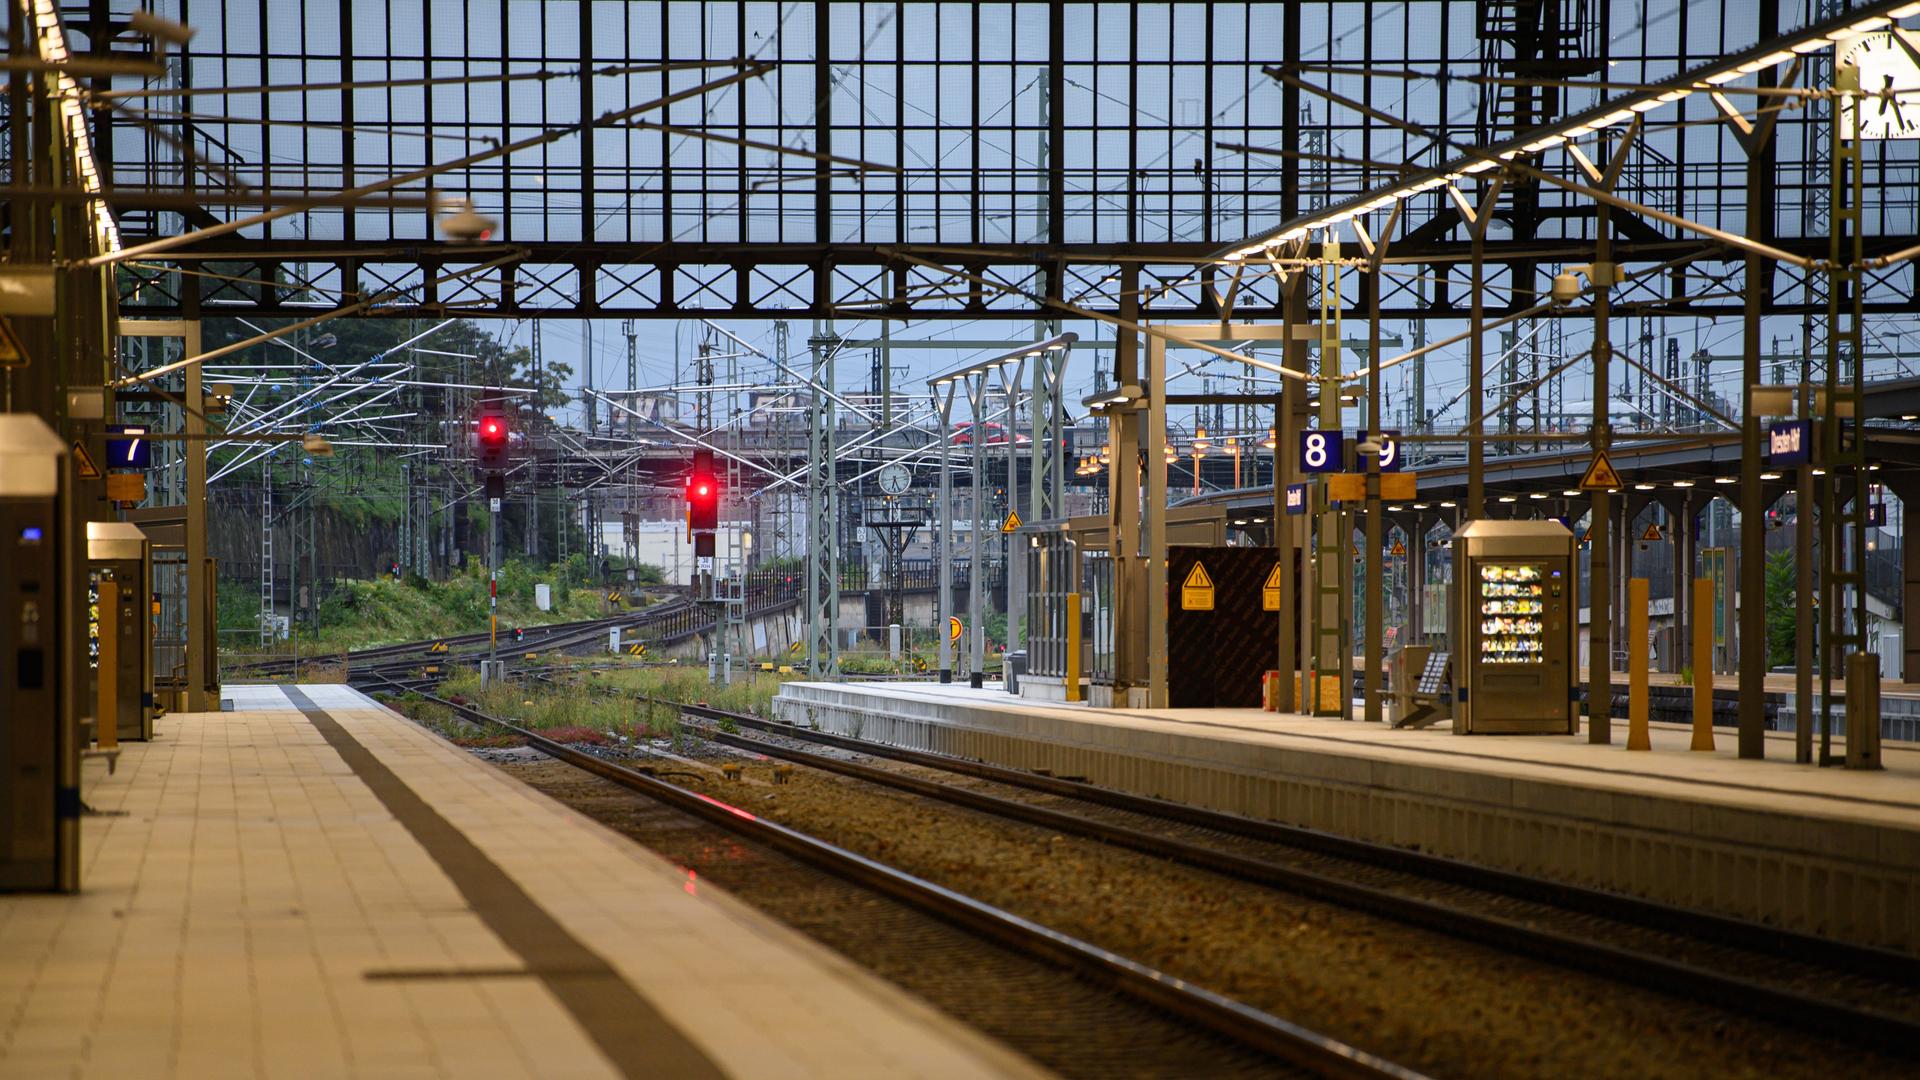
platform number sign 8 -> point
(1322, 451)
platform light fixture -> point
(1683, 483)
(1571, 493)
(1769, 476)
(1643, 486)
(1013, 356)
(1726, 479)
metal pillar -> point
(1123, 496)
(1288, 420)
(943, 557)
(1600, 569)
(976, 551)
(823, 513)
(1012, 377)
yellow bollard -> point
(1073, 646)
(1637, 736)
(1702, 664)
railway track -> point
(1240, 1025)
(1768, 972)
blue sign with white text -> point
(1296, 498)
(128, 446)
(1789, 442)
(1389, 450)
(1323, 451)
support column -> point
(1153, 513)
(1123, 499)
(1909, 588)
(1288, 420)
(1684, 614)
(943, 403)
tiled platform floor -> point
(252, 907)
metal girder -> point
(282, 278)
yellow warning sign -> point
(1600, 475)
(84, 462)
(793, 649)
(12, 353)
(953, 628)
(613, 596)
(1012, 522)
(1398, 548)
(638, 648)
(437, 647)
(1652, 533)
(1270, 592)
(1196, 593)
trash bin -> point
(1016, 666)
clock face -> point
(895, 479)
(1887, 61)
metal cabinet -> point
(1517, 607)
(119, 634)
(39, 838)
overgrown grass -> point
(384, 611)
(753, 694)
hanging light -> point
(1200, 441)
(1271, 441)
(1105, 457)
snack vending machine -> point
(1517, 608)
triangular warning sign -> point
(1652, 533)
(1398, 548)
(1012, 523)
(12, 353)
(1270, 592)
(1196, 593)
(84, 462)
(1600, 475)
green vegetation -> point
(753, 694)
(1782, 578)
(383, 611)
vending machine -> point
(1516, 611)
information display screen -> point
(1513, 610)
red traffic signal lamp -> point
(703, 494)
(490, 440)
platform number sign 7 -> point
(1322, 451)
(1389, 450)
(128, 446)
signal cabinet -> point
(1516, 586)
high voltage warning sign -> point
(84, 462)
(1652, 533)
(1270, 592)
(1600, 475)
(1012, 522)
(1196, 593)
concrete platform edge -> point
(1824, 874)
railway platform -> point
(311, 885)
(1828, 852)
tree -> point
(1783, 576)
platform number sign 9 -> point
(1389, 450)
(1322, 451)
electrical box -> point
(120, 556)
(1515, 660)
(39, 839)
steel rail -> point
(1887, 1033)
(1231, 1019)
